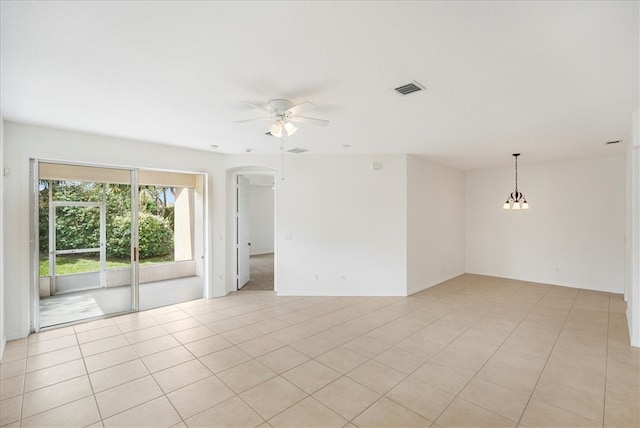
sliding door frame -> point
(34, 241)
(135, 259)
(34, 233)
(34, 271)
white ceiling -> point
(552, 80)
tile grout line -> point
(548, 357)
(24, 385)
(488, 359)
(416, 369)
(168, 333)
(406, 375)
(314, 359)
(93, 392)
(164, 393)
(57, 383)
(494, 305)
(256, 410)
(224, 383)
(149, 374)
(606, 365)
(140, 358)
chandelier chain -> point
(516, 200)
(516, 174)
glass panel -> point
(169, 272)
(157, 225)
(43, 226)
(77, 191)
(77, 272)
(118, 232)
(69, 264)
(82, 285)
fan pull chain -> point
(282, 160)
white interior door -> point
(242, 231)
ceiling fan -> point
(283, 114)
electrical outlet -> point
(343, 276)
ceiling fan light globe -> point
(276, 130)
(290, 128)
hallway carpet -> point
(261, 273)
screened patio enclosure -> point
(103, 231)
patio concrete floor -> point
(82, 305)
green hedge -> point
(79, 227)
(155, 236)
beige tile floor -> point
(474, 351)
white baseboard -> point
(3, 344)
(432, 283)
(633, 336)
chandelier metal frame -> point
(516, 199)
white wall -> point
(338, 218)
(573, 235)
(360, 231)
(23, 142)
(632, 291)
(435, 224)
(261, 218)
(3, 336)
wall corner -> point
(3, 336)
(632, 289)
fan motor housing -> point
(280, 106)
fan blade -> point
(302, 106)
(252, 120)
(310, 120)
(263, 108)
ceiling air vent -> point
(409, 88)
(297, 150)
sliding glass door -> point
(171, 232)
(86, 242)
(113, 240)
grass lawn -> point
(78, 264)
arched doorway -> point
(252, 249)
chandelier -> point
(516, 199)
